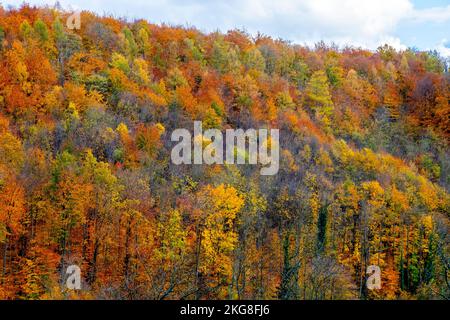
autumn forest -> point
(86, 177)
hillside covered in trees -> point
(86, 178)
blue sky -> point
(424, 24)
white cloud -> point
(356, 22)
(437, 14)
(444, 48)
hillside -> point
(86, 176)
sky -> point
(422, 24)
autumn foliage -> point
(86, 177)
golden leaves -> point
(219, 238)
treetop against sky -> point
(400, 23)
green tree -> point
(41, 30)
(319, 97)
(224, 57)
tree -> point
(86, 176)
(224, 57)
(170, 253)
(216, 236)
(319, 98)
(41, 30)
(12, 213)
(66, 45)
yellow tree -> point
(319, 98)
(217, 236)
